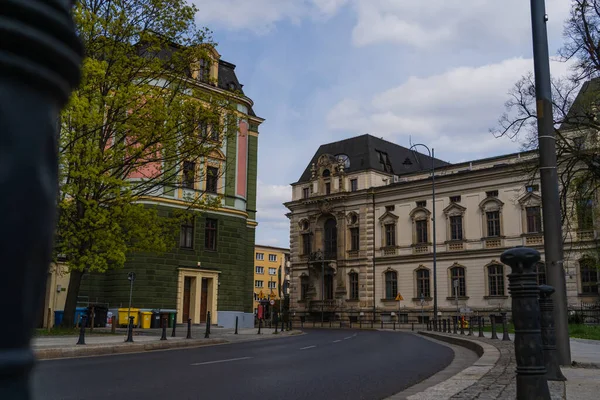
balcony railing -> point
(389, 251)
(493, 243)
(534, 240)
(421, 249)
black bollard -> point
(130, 331)
(449, 325)
(493, 323)
(82, 330)
(394, 326)
(174, 325)
(236, 325)
(553, 372)
(480, 324)
(277, 324)
(470, 326)
(207, 329)
(412, 326)
(189, 331)
(208, 321)
(523, 288)
(455, 326)
(444, 326)
(505, 336)
(164, 329)
(259, 324)
(381, 324)
(360, 324)
(330, 322)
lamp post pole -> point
(433, 219)
(322, 289)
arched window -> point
(330, 239)
(423, 283)
(353, 280)
(326, 173)
(458, 274)
(391, 285)
(496, 280)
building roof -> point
(582, 111)
(365, 152)
(266, 247)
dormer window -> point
(326, 173)
(231, 86)
(204, 71)
(384, 160)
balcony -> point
(455, 246)
(421, 249)
(534, 240)
(389, 251)
(493, 243)
(585, 235)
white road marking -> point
(349, 337)
(336, 341)
(222, 361)
(307, 347)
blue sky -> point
(324, 70)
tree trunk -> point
(68, 320)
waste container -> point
(171, 319)
(58, 316)
(146, 319)
(155, 324)
(79, 312)
(100, 315)
(123, 316)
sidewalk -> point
(52, 347)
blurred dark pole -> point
(40, 57)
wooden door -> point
(204, 300)
(187, 288)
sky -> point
(318, 71)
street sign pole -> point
(455, 283)
(131, 277)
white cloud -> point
(274, 226)
(452, 110)
(474, 23)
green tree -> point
(144, 107)
(576, 112)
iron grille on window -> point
(534, 219)
(423, 283)
(456, 230)
(496, 280)
(353, 286)
(210, 234)
(459, 273)
(391, 285)
(493, 223)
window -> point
(493, 223)
(384, 161)
(391, 285)
(390, 235)
(540, 270)
(534, 219)
(328, 287)
(306, 248)
(212, 179)
(422, 203)
(260, 256)
(390, 208)
(272, 285)
(204, 74)
(532, 188)
(496, 280)
(353, 185)
(303, 287)
(421, 228)
(210, 238)
(354, 239)
(189, 174)
(258, 284)
(492, 193)
(454, 199)
(272, 271)
(330, 239)
(260, 270)
(353, 278)
(203, 128)
(585, 213)
(327, 187)
(589, 277)
(186, 235)
(214, 132)
(458, 274)
(305, 193)
(272, 257)
(326, 173)
(456, 230)
(423, 288)
(341, 183)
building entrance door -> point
(187, 288)
(204, 300)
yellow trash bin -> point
(123, 316)
(146, 319)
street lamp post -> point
(431, 155)
(455, 284)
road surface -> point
(323, 364)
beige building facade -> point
(362, 233)
(271, 274)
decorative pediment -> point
(491, 204)
(493, 262)
(352, 271)
(303, 275)
(420, 267)
(217, 155)
(530, 200)
(326, 160)
(352, 218)
(420, 213)
(456, 265)
(325, 207)
(454, 209)
(389, 269)
(388, 218)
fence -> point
(585, 313)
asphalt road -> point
(323, 364)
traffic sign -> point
(261, 295)
(272, 302)
(399, 297)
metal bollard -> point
(174, 325)
(360, 324)
(553, 372)
(454, 324)
(449, 330)
(236, 326)
(372, 324)
(470, 326)
(523, 288)
(505, 336)
(276, 324)
(189, 331)
(462, 326)
(493, 322)
(164, 329)
(207, 332)
(394, 326)
(129, 331)
(480, 323)
(330, 322)
(259, 325)
(443, 326)
(381, 324)
(82, 330)
(412, 326)
(113, 324)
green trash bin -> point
(171, 319)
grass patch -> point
(584, 331)
(66, 332)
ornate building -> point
(362, 232)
